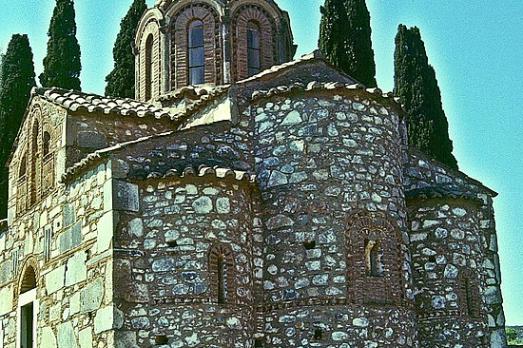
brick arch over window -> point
(22, 187)
(48, 151)
(180, 25)
(246, 16)
(374, 260)
(221, 274)
(28, 279)
(34, 177)
(470, 295)
(149, 63)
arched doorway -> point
(27, 310)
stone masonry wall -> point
(321, 160)
(422, 173)
(164, 269)
(67, 240)
(448, 257)
(87, 133)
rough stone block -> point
(66, 336)
(91, 297)
(71, 238)
(6, 299)
(104, 320)
(105, 228)
(55, 280)
(126, 196)
(76, 269)
(91, 140)
(48, 339)
(85, 337)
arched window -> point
(35, 135)
(373, 247)
(28, 281)
(470, 298)
(22, 169)
(27, 309)
(47, 143)
(149, 67)
(196, 53)
(221, 272)
(374, 258)
(253, 49)
(21, 193)
(34, 163)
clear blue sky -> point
(475, 47)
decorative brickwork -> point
(243, 17)
(180, 26)
(469, 296)
(36, 175)
(226, 43)
(374, 276)
(221, 274)
(149, 67)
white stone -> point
(6, 299)
(292, 117)
(223, 205)
(103, 321)
(135, 227)
(360, 322)
(55, 280)
(66, 336)
(76, 269)
(459, 212)
(85, 338)
(47, 338)
(202, 205)
(105, 229)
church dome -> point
(208, 42)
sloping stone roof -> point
(92, 103)
(330, 86)
(427, 177)
(442, 191)
(306, 58)
(79, 101)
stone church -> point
(244, 199)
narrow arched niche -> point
(28, 281)
(27, 309)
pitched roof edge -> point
(456, 172)
(328, 86)
(315, 55)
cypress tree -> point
(62, 65)
(345, 39)
(120, 82)
(416, 84)
(17, 78)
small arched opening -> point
(27, 310)
(149, 67)
(253, 48)
(196, 53)
(221, 271)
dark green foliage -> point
(17, 78)
(345, 39)
(416, 84)
(515, 335)
(120, 82)
(62, 65)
